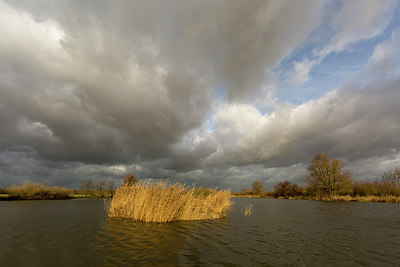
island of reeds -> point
(162, 202)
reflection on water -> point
(278, 232)
(141, 242)
(155, 244)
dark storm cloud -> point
(109, 82)
(100, 89)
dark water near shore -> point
(278, 232)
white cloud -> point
(360, 20)
(356, 21)
(346, 122)
(24, 37)
(301, 71)
(384, 62)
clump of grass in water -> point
(160, 202)
(247, 210)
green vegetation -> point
(160, 202)
(328, 181)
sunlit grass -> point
(160, 202)
(78, 195)
(34, 191)
(387, 199)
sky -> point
(216, 93)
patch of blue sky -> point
(330, 72)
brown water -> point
(278, 232)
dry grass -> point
(35, 191)
(160, 202)
(247, 210)
(387, 199)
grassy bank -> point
(160, 202)
(387, 199)
(36, 191)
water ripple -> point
(278, 232)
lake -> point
(278, 232)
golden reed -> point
(160, 202)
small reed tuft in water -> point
(160, 202)
(247, 210)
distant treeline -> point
(327, 180)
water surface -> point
(278, 232)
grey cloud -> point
(348, 122)
(232, 42)
(128, 80)
(192, 156)
(355, 122)
(100, 106)
(85, 86)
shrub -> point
(160, 202)
(98, 193)
(245, 191)
(377, 188)
(257, 187)
(3, 190)
(287, 189)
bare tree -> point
(257, 187)
(327, 176)
(101, 185)
(391, 177)
(87, 187)
(110, 188)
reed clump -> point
(247, 210)
(161, 202)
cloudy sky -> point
(217, 93)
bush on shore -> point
(90, 189)
(160, 202)
(287, 189)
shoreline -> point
(7, 197)
(345, 198)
